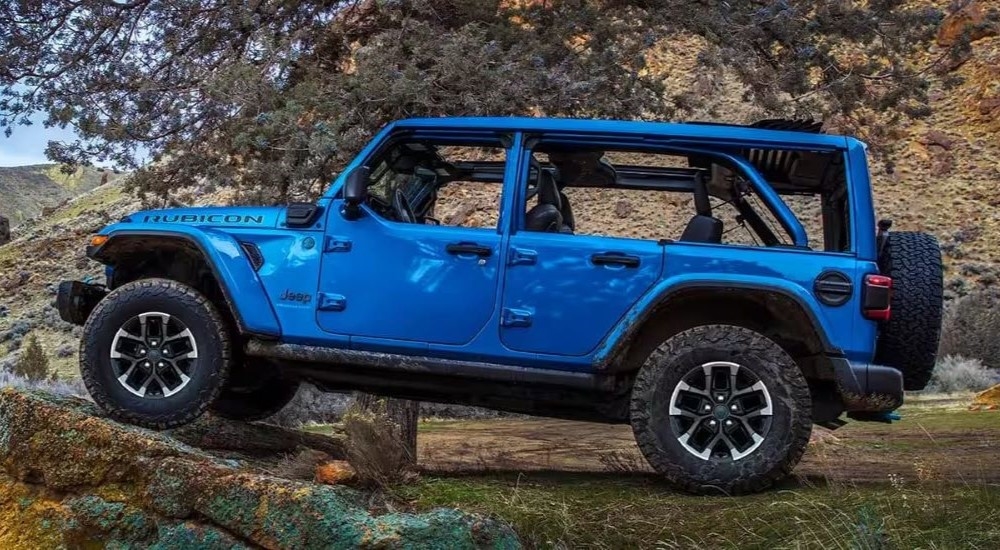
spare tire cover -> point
(908, 341)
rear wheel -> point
(908, 341)
(255, 391)
(155, 353)
(721, 408)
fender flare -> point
(619, 339)
(225, 257)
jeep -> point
(531, 265)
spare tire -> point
(908, 341)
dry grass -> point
(374, 447)
(301, 465)
(622, 461)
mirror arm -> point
(351, 211)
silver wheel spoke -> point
(145, 385)
(722, 415)
(146, 349)
(186, 333)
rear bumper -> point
(75, 300)
(866, 388)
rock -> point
(988, 105)
(335, 472)
(938, 138)
(69, 477)
(16, 281)
(942, 163)
(65, 350)
(4, 230)
(987, 400)
(623, 209)
(971, 18)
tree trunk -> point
(402, 412)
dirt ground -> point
(933, 442)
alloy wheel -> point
(153, 355)
(720, 411)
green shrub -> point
(32, 364)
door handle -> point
(615, 258)
(459, 249)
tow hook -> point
(887, 417)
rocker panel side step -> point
(391, 362)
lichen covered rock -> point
(71, 478)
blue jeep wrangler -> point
(471, 261)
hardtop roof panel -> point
(744, 135)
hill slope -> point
(26, 190)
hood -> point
(213, 216)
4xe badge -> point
(297, 297)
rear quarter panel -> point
(789, 271)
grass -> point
(91, 201)
(636, 511)
(912, 508)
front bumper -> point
(75, 300)
(868, 390)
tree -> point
(275, 96)
(32, 365)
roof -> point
(743, 135)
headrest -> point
(583, 169)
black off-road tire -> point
(255, 391)
(666, 367)
(908, 341)
(208, 373)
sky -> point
(27, 144)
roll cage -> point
(734, 176)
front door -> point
(421, 264)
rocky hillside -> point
(72, 479)
(25, 191)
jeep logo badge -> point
(298, 297)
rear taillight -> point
(876, 297)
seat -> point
(703, 227)
(543, 217)
(567, 212)
(547, 214)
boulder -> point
(70, 477)
(4, 230)
(970, 19)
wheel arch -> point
(769, 309)
(210, 261)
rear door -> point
(564, 293)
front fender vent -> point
(253, 254)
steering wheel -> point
(402, 207)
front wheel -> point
(721, 409)
(155, 353)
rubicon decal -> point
(204, 218)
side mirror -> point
(355, 191)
